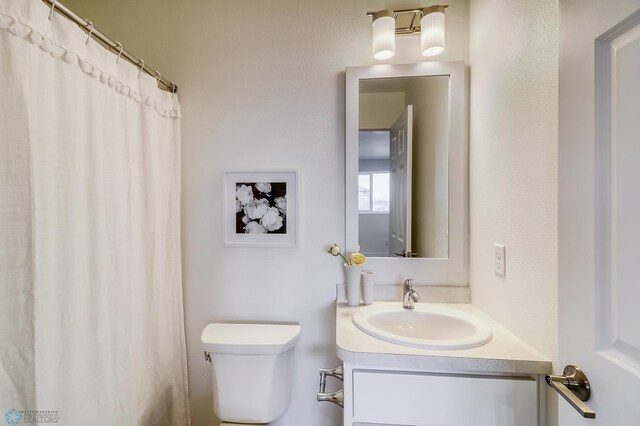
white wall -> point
(262, 85)
(513, 156)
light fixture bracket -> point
(407, 20)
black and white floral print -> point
(261, 208)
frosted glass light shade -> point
(384, 34)
(432, 31)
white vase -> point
(368, 278)
(353, 284)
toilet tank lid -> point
(249, 339)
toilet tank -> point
(252, 374)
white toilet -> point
(252, 373)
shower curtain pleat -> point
(91, 320)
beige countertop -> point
(504, 354)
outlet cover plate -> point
(499, 260)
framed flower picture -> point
(261, 208)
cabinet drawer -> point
(443, 400)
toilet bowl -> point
(251, 370)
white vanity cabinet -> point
(395, 397)
(500, 383)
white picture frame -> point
(255, 214)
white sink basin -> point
(427, 326)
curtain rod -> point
(117, 46)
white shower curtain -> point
(91, 321)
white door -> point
(599, 206)
(400, 184)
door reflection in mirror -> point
(403, 167)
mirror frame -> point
(427, 271)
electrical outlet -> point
(499, 260)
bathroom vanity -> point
(390, 377)
(500, 383)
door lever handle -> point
(405, 253)
(574, 387)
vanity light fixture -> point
(383, 33)
(428, 21)
(432, 30)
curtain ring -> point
(158, 76)
(53, 6)
(90, 25)
(118, 44)
(141, 67)
(173, 87)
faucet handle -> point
(408, 284)
(410, 295)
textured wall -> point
(513, 155)
(262, 85)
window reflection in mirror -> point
(403, 167)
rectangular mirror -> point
(407, 167)
(403, 167)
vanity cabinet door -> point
(421, 399)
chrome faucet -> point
(409, 294)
